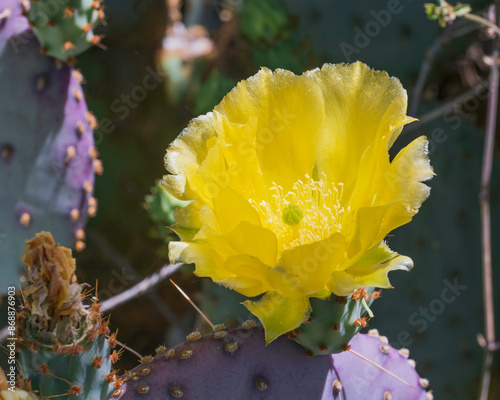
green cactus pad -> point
(87, 370)
(65, 27)
(332, 325)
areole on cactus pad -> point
(293, 188)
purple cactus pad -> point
(46, 143)
(238, 365)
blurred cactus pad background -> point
(91, 98)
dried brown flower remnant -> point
(53, 295)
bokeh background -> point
(168, 61)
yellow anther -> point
(309, 212)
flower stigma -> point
(292, 214)
(309, 212)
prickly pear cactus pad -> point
(237, 364)
(360, 379)
(294, 190)
(63, 345)
(47, 153)
(65, 27)
(334, 322)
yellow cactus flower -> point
(293, 189)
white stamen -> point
(320, 203)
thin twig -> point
(484, 201)
(452, 32)
(123, 263)
(449, 105)
(141, 288)
(484, 22)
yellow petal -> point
(248, 267)
(286, 136)
(246, 286)
(185, 234)
(370, 271)
(324, 294)
(240, 152)
(213, 171)
(188, 221)
(175, 250)
(364, 109)
(409, 169)
(188, 216)
(397, 196)
(207, 260)
(368, 223)
(279, 314)
(271, 279)
(311, 265)
(185, 155)
(255, 241)
(231, 208)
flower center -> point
(310, 212)
(292, 214)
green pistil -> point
(292, 214)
